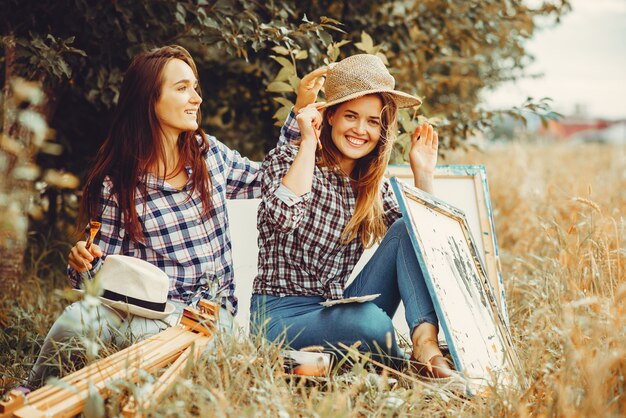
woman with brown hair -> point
(158, 188)
(326, 200)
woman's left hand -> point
(310, 86)
(424, 148)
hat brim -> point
(402, 99)
(135, 310)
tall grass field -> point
(560, 214)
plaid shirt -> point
(300, 252)
(194, 251)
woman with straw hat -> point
(323, 202)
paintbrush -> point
(317, 136)
(94, 227)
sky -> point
(582, 59)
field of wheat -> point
(560, 214)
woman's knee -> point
(374, 328)
(398, 229)
(69, 324)
(79, 319)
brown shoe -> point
(438, 367)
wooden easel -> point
(175, 346)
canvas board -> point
(477, 335)
(466, 187)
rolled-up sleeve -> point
(287, 196)
(282, 208)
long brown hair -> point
(134, 143)
(367, 220)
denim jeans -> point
(393, 271)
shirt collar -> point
(153, 182)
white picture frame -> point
(478, 337)
(466, 187)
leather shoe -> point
(438, 367)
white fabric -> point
(135, 278)
(287, 196)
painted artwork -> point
(478, 337)
(466, 188)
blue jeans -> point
(393, 271)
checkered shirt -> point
(193, 250)
(300, 252)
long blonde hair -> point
(367, 219)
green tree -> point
(251, 54)
(446, 52)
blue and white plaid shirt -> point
(194, 251)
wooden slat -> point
(68, 406)
(150, 354)
(488, 243)
(118, 359)
(165, 381)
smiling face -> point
(356, 129)
(178, 103)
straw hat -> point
(360, 75)
(135, 286)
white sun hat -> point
(135, 286)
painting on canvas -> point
(478, 338)
(465, 187)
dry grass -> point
(560, 214)
(561, 227)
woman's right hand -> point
(309, 120)
(80, 258)
(299, 177)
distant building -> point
(581, 129)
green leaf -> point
(284, 62)
(325, 37)
(406, 121)
(281, 114)
(283, 74)
(284, 101)
(280, 50)
(294, 81)
(301, 55)
(366, 44)
(279, 87)
(180, 13)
